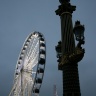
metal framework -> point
(30, 66)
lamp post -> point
(67, 53)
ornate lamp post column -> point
(68, 55)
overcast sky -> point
(18, 18)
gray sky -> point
(20, 17)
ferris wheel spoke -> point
(32, 43)
(31, 54)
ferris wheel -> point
(30, 66)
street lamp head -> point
(79, 31)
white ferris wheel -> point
(30, 66)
